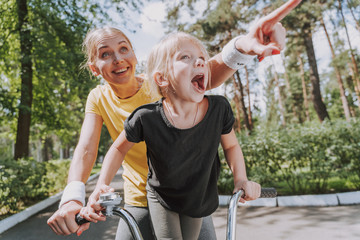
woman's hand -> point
(62, 222)
(252, 190)
(267, 36)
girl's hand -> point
(252, 190)
(267, 36)
(92, 211)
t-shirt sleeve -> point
(92, 103)
(133, 127)
(228, 117)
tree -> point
(351, 6)
(352, 53)
(338, 75)
(240, 89)
(40, 55)
(302, 22)
(279, 94)
(24, 118)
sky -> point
(151, 30)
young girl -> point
(182, 132)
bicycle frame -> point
(130, 221)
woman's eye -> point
(124, 50)
(185, 57)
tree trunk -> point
(353, 60)
(353, 15)
(24, 118)
(281, 102)
(357, 91)
(47, 149)
(289, 91)
(242, 103)
(248, 93)
(319, 105)
(237, 124)
(338, 76)
(303, 83)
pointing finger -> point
(280, 13)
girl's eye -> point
(202, 58)
(105, 54)
(185, 57)
(124, 50)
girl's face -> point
(190, 71)
(115, 60)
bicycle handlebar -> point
(231, 224)
(110, 201)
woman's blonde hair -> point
(161, 58)
(91, 40)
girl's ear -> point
(160, 80)
(94, 70)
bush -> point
(25, 181)
(305, 157)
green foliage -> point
(304, 157)
(58, 86)
(25, 180)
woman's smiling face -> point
(116, 60)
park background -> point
(297, 114)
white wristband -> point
(232, 57)
(74, 191)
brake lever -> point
(108, 201)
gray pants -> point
(141, 215)
(171, 225)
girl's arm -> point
(235, 160)
(112, 162)
(114, 158)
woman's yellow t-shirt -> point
(113, 110)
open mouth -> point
(198, 82)
(120, 71)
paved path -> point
(254, 223)
(292, 223)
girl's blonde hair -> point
(161, 58)
(91, 40)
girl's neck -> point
(127, 90)
(184, 114)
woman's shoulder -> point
(99, 89)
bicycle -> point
(111, 202)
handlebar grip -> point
(268, 193)
(80, 220)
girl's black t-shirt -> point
(184, 164)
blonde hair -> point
(161, 58)
(91, 40)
